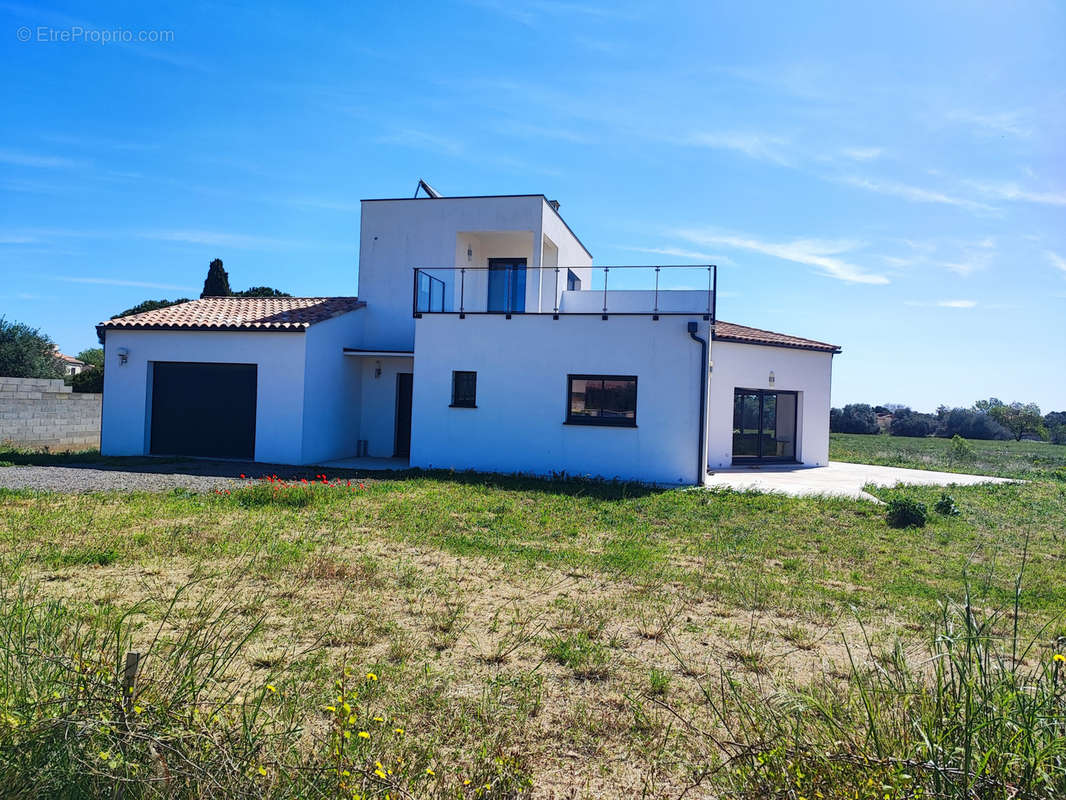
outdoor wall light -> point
(377, 370)
(469, 255)
(771, 377)
(123, 355)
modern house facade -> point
(482, 338)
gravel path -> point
(155, 476)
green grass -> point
(1005, 459)
(515, 622)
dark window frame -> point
(464, 402)
(601, 422)
(573, 282)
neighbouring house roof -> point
(238, 314)
(730, 332)
(69, 359)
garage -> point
(205, 410)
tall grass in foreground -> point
(983, 716)
(197, 722)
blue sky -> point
(891, 177)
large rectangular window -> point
(464, 389)
(602, 400)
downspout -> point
(701, 466)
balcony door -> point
(507, 285)
(764, 426)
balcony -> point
(507, 287)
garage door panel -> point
(203, 409)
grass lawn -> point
(457, 636)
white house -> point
(482, 338)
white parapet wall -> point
(44, 413)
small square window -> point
(464, 389)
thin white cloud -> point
(916, 194)
(239, 241)
(760, 146)
(121, 282)
(680, 252)
(862, 153)
(942, 303)
(20, 159)
(1056, 260)
(1014, 192)
(813, 252)
(1000, 123)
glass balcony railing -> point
(513, 288)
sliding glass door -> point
(507, 285)
(764, 426)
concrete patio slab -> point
(838, 479)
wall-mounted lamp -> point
(123, 355)
(771, 377)
(377, 369)
(469, 255)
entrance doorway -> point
(764, 426)
(404, 384)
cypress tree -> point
(217, 282)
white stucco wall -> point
(378, 402)
(522, 365)
(331, 390)
(748, 366)
(399, 235)
(279, 389)
(635, 301)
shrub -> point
(853, 418)
(904, 512)
(88, 380)
(913, 424)
(946, 505)
(25, 352)
(961, 449)
(969, 424)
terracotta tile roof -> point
(729, 332)
(239, 314)
(68, 359)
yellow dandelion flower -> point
(364, 735)
(381, 774)
(370, 676)
(379, 719)
(262, 770)
(347, 708)
(105, 755)
(399, 731)
(1059, 657)
(351, 719)
(347, 734)
(272, 688)
(466, 782)
(429, 771)
(138, 709)
(333, 709)
(379, 765)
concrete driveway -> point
(838, 479)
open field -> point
(1008, 459)
(522, 638)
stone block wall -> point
(42, 413)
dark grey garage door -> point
(203, 409)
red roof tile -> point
(729, 332)
(239, 314)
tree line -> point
(985, 419)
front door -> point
(507, 285)
(764, 426)
(404, 384)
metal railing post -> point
(555, 309)
(414, 295)
(655, 314)
(462, 293)
(605, 271)
(714, 295)
(709, 295)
